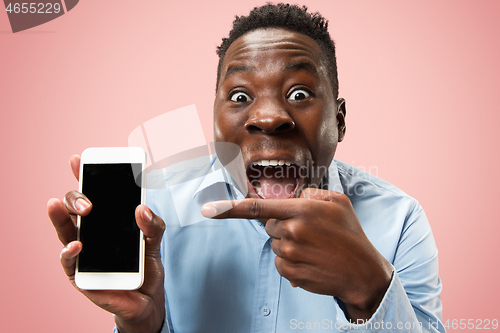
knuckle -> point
(66, 200)
(333, 198)
(255, 209)
(275, 246)
(343, 199)
(291, 231)
(61, 255)
(161, 226)
(288, 251)
(268, 227)
(287, 270)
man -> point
(315, 244)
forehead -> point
(274, 46)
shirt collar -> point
(216, 174)
(334, 183)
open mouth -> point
(274, 179)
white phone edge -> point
(113, 281)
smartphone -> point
(112, 255)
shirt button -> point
(265, 311)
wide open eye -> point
(240, 97)
(299, 95)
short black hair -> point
(290, 17)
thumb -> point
(152, 227)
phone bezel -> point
(113, 280)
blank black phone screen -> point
(109, 234)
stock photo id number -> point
(26, 15)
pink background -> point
(421, 80)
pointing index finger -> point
(248, 209)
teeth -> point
(258, 189)
(272, 163)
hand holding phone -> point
(141, 310)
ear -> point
(341, 118)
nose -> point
(269, 118)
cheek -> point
(328, 131)
(218, 121)
(218, 129)
(226, 126)
(326, 139)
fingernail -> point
(208, 210)
(147, 216)
(81, 204)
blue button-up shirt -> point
(220, 274)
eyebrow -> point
(294, 66)
(302, 65)
(231, 70)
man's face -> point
(275, 101)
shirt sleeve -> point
(412, 302)
(164, 329)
